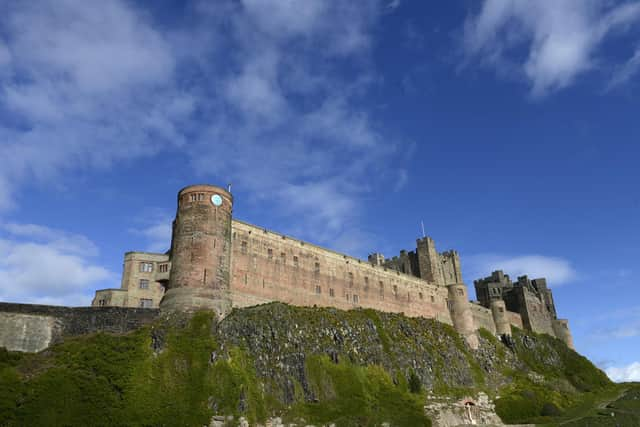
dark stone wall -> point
(72, 321)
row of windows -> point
(142, 303)
(147, 267)
(144, 284)
(381, 291)
(332, 293)
(196, 197)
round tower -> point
(201, 251)
(461, 314)
(499, 312)
(562, 332)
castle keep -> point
(217, 262)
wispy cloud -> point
(630, 372)
(279, 111)
(626, 71)
(616, 324)
(560, 39)
(557, 271)
(155, 230)
(43, 265)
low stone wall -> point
(483, 318)
(32, 328)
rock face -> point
(279, 365)
(280, 338)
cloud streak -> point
(560, 39)
(44, 265)
(88, 86)
(630, 372)
(557, 271)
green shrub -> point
(415, 385)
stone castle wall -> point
(268, 266)
(32, 328)
(483, 318)
(535, 316)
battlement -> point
(217, 262)
(532, 299)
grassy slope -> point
(119, 380)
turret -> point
(429, 261)
(461, 314)
(499, 312)
(562, 332)
(201, 251)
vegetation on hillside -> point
(356, 368)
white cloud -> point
(557, 271)
(626, 71)
(252, 92)
(87, 85)
(561, 38)
(43, 265)
(393, 4)
(156, 231)
(629, 372)
(57, 239)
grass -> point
(350, 395)
(104, 379)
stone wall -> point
(515, 319)
(535, 316)
(483, 318)
(32, 328)
(268, 266)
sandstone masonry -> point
(217, 262)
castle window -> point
(501, 310)
(347, 296)
(144, 284)
(102, 302)
(350, 279)
(295, 261)
(270, 253)
(145, 303)
(246, 279)
(318, 290)
(332, 293)
(366, 284)
(395, 291)
(193, 197)
(460, 292)
(163, 268)
(200, 197)
(433, 299)
(146, 267)
(317, 268)
(420, 295)
(381, 286)
(283, 258)
(356, 299)
(243, 247)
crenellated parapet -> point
(217, 262)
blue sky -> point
(510, 128)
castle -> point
(217, 262)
